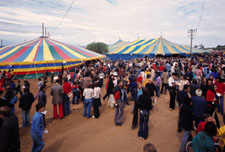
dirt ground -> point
(75, 133)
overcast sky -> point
(109, 20)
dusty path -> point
(78, 134)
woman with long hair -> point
(144, 103)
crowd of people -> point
(196, 83)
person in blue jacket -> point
(37, 128)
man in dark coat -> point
(152, 89)
(182, 95)
(186, 121)
(200, 107)
(25, 103)
(9, 132)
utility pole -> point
(43, 29)
(1, 44)
(192, 33)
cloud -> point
(107, 20)
(114, 2)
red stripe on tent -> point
(6, 49)
(37, 49)
(16, 45)
(59, 51)
(86, 53)
(19, 53)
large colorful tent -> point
(117, 45)
(150, 48)
(32, 59)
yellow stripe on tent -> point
(180, 49)
(171, 50)
(13, 50)
(32, 54)
(47, 53)
(160, 48)
(149, 50)
(132, 47)
(27, 43)
(117, 45)
(129, 50)
(143, 46)
(70, 50)
(116, 51)
(193, 50)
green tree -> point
(98, 47)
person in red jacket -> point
(220, 92)
(139, 79)
(66, 100)
(211, 99)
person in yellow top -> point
(221, 134)
(146, 80)
(147, 72)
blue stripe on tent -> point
(154, 49)
(68, 53)
(80, 48)
(135, 49)
(148, 46)
(9, 49)
(178, 51)
(185, 49)
(123, 50)
(173, 46)
(111, 50)
(165, 49)
(137, 42)
(127, 47)
(11, 54)
(25, 54)
(117, 42)
(40, 53)
(38, 65)
(145, 49)
(147, 42)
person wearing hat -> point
(37, 128)
(200, 107)
(186, 121)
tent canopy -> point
(150, 48)
(36, 56)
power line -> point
(63, 17)
(200, 19)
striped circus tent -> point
(150, 48)
(33, 58)
(114, 47)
